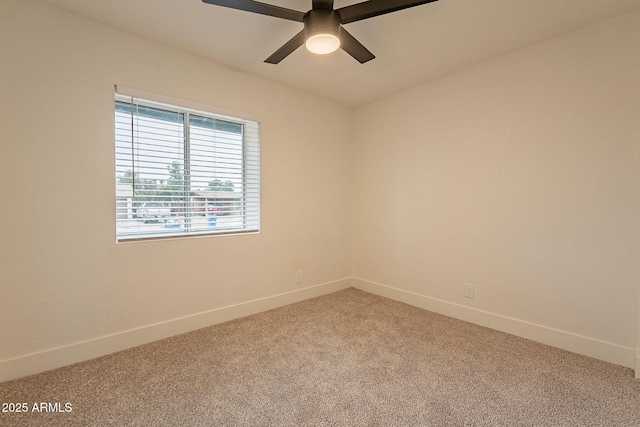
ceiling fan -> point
(323, 32)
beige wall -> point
(64, 280)
(519, 176)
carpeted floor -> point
(345, 359)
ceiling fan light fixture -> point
(323, 32)
(322, 43)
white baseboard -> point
(66, 355)
(602, 350)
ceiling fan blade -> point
(353, 47)
(261, 8)
(322, 4)
(371, 8)
(286, 49)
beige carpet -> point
(344, 359)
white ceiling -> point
(412, 46)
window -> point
(183, 172)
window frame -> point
(245, 203)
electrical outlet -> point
(468, 290)
(298, 276)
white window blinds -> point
(184, 172)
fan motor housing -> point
(322, 21)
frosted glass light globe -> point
(322, 44)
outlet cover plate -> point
(468, 290)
